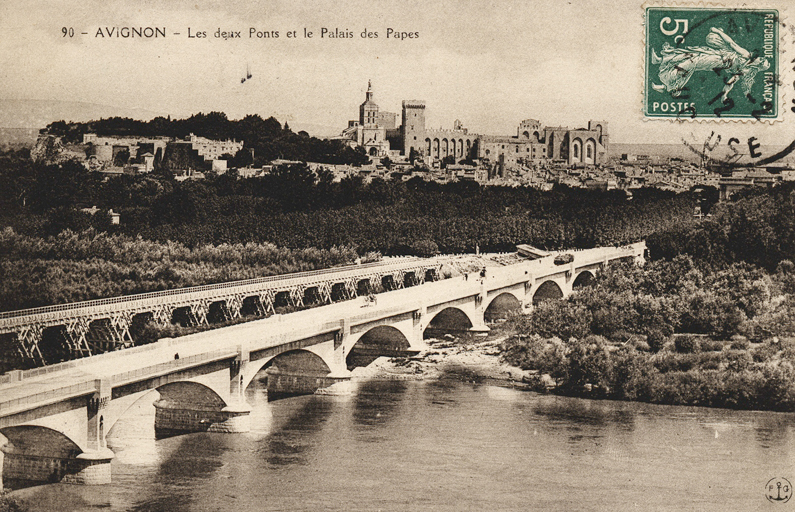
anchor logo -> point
(778, 490)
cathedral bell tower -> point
(368, 111)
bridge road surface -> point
(130, 365)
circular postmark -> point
(778, 490)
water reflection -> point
(575, 413)
(439, 393)
(447, 445)
(773, 430)
(377, 402)
(295, 426)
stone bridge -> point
(56, 418)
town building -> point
(372, 129)
(376, 132)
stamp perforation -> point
(781, 74)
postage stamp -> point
(712, 63)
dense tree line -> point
(757, 227)
(292, 208)
(674, 331)
(674, 296)
(296, 207)
(267, 138)
(72, 267)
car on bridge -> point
(562, 259)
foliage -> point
(755, 378)
(687, 344)
(10, 503)
(265, 137)
(701, 304)
(758, 228)
(424, 248)
(75, 266)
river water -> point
(444, 445)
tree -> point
(122, 158)
(448, 160)
(294, 185)
(10, 504)
(61, 185)
(425, 248)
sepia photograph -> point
(461, 255)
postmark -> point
(712, 63)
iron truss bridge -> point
(86, 328)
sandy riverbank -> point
(471, 358)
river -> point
(443, 445)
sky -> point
(490, 64)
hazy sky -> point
(488, 63)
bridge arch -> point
(37, 454)
(583, 279)
(218, 311)
(376, 342)
(501, 306)
(410, 279)
(118, 408)
(313, 295)
(193, 393)
(298, 360)
(548, 290)
(35, 440)
(253, 306)
(450, 319)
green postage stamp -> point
(712, 63)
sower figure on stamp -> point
(677, 65)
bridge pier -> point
(479, 320)
(283, 383)
(88, 468)
(176, 418)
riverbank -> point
(688, 370)
(468, 357)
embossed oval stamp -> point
(712, 63)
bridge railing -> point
(153, 370)
(81, 388)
